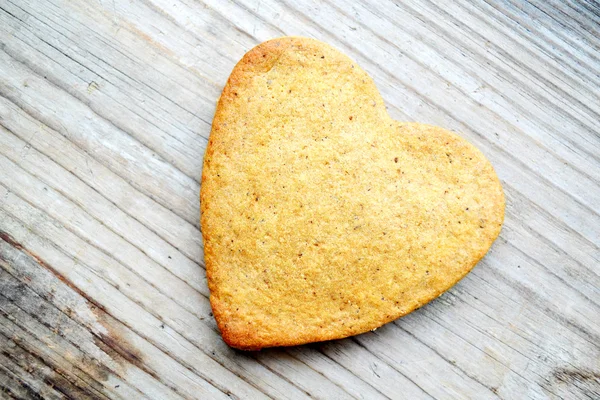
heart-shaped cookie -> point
(323, 217)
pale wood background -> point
(105, 109)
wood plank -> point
(105, 111)
(34, 388)
(12, 387)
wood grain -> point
(105, 110)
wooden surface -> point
(105, 109)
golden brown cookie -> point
(323, 217)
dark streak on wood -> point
(113, 344)
(31, 393)
(8, 239)
(66, 377)
(87, 365)
(570, 375)
(580, 383)
(57, 378)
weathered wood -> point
(105, 110)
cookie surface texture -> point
(322, 217)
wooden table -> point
(105, 110)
